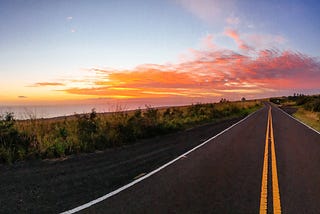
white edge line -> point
(299, 121)
(84, 206)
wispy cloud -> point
(262, 41)
(207, 42)
(207, 10)
(231, 20)
(236, 37)
(44, 84)
(22, 97)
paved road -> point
(53, 186)
(225, 175)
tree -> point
(223, 100)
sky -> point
(164, 52)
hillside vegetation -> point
(308, 108)
(58, 137)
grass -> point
(59, 137)
(308, 108)
(308, 117)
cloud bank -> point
(209, 73)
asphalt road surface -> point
(53, 186)
(268, 163)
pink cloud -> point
(207, 10)
(207, 42)
(264, 41)
(236, 37)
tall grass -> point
(308, 108)
(308, 117)
(309, 103)
(49, 138)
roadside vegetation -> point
(58, 137)
(308, 108)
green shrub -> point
(59, 148)
(87, 129)
(135, 124)
(14, 145)
(313, 104)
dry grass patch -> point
(308, 117)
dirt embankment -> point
(56, 186)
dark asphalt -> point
(298, 159)
(224, 176)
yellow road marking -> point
(264, 183)
(275, 184)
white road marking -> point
(102, 198)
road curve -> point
(225, 175)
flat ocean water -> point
(49, 111)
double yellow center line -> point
(275, 185)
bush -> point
(87, 129)
(313, 104)
(13, 144)
(135, 124)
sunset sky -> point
(169, 51)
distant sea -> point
(50, 111)
(25, 111)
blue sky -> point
(52, 41)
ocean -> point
(50, 111)
(22, 112)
